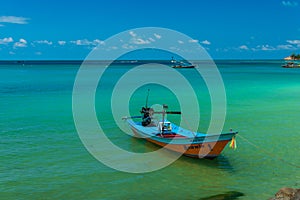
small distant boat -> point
(291, 64)
(166, 134)
(181, 64)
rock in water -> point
(287, 194)
(226, 196)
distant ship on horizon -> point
(180, 64)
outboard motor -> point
(147, 114)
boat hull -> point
(201, 150)
(197, 147)
(179, 66)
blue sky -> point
(52, 29)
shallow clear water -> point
(42, 156)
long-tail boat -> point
(168, 135)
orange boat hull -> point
(204, 150)
(199, 150)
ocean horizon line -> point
(127, 61)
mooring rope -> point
(269, 153)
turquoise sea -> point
(42, 156)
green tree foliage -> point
(295, 57)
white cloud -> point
(44, 42)
(151, 39)
(6, 40)
(294, 41)
(193, 41)
(243, 47)
(290, 3)
(285, 47)
(140, 41)
(127, 46)
(38, 53)
(206, 42)
(22, 43)
(293, 45)
(14, 19)
(12, 53)
(81, 42)
(265, 47)
(132, 34)
(97, 42)
(61, 42)
(157, 36)
(180, 42)
(86, 42)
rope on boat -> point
(269, 153)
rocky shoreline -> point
(287, 194)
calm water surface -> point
(42, 156)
